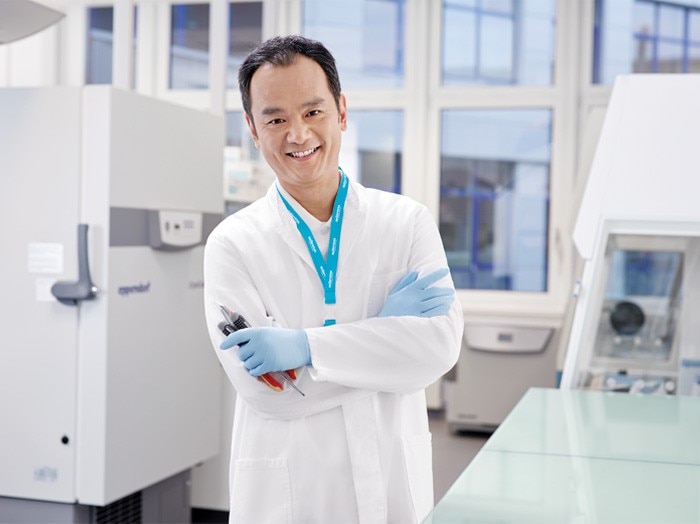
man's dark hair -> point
(282, 51)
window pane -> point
(98, 66)
(643, 36)
(189, 46)
(494, 203)
(99, 45)
(496, 49)
(459, 50)
(365, 36)
(238, 136)
(246, 176)
(694, 59)
(644, 15)
(694, 27)
(372, 147)
(245, 33)
(670, 58)
(671, 22)
(493, 43)
(234, 129)
(644, 55)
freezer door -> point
(39, 203)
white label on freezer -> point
(43, 289)
(45, 258)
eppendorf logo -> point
(139, 288)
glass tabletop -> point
(602, 425)
(507, 487)
(584, 457)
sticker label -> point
(45, 258)
(43, 289)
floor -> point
(451, 454)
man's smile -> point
(302, 154)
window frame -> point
(558, 98)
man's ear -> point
(253, 132)
(343, 112)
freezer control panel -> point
(174, 229)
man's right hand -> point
(413, 296)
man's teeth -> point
(302, 154)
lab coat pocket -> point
(261, 492)
(418, 453)
(379, 289)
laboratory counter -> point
(584, 457)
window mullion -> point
(417, 63)
(218, 54)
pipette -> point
(235, 321)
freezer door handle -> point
(71, 293)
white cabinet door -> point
(39, 208)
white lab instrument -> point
(107, 380)
(498, 363)
(638, 232)
(23, 18)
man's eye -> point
(314, 112)
(275, 121)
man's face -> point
(296, 124)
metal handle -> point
(71, 293)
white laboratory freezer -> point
(108, 383)
(500, 360)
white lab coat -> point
(357, 447)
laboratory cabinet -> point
(107, 380)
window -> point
(366, 38)
(645, 36)
(246, 176)
(371, 151)
(245, 33)
(189, 46)
(98, 63)
(98, 68)
(494, 197)
(479, 158)
(498, 42)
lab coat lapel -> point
(353, 222)
(286, 227)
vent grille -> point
(123, 511)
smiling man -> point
(296, 120)
(338, 282)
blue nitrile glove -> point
(265, 349)
(413, 296)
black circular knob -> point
(65, 440)
(626, 318)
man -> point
(337, 281)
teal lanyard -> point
(327, 269)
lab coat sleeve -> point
(394, 354)
(227, 281)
